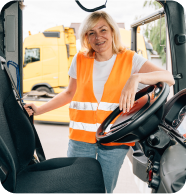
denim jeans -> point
(110, 158)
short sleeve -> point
(72, 71)
(137, 63)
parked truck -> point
(47, 58)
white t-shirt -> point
(101, 72)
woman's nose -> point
(97, 36)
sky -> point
(39, 15)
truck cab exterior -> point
(47, 57)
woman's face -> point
(100, 37)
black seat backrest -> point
(15, 130)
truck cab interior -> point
(156, 123)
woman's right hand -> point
(32, 110)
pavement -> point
(54, 139)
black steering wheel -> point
(140, 121)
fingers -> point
(126, 103)
(120, 103)
(28, 108)
(29, 111)
(128, 94)
(132, 100)
(27, 105)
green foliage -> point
(152, 3)
(152, 31)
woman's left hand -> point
(128, 93)
(149, 74)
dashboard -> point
(175, 116)
(180, 122)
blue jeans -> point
(110, 158)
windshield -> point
(68, 14)
(54, 13)
(32, 55)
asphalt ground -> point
(54, 139)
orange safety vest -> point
(86, 114)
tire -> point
(43, 89)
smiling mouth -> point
(100, 43)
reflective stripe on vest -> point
(93, 106)
(86, 114)
(87, 126)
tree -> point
(152, 3)
(152, 31)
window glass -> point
(32, 55)
(151, 42)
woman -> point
(101, 78)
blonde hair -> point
(21, 5)
(89, 22)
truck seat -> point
(17, 145)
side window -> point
(32, 55)
(154, 35)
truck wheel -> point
(44, 89)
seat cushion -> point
(62, 175)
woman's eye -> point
(91, 33)
(103, 30)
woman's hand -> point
(128, 93)
(30, 111)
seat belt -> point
(38, 146)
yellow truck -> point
(47, 58)
(126, 38)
